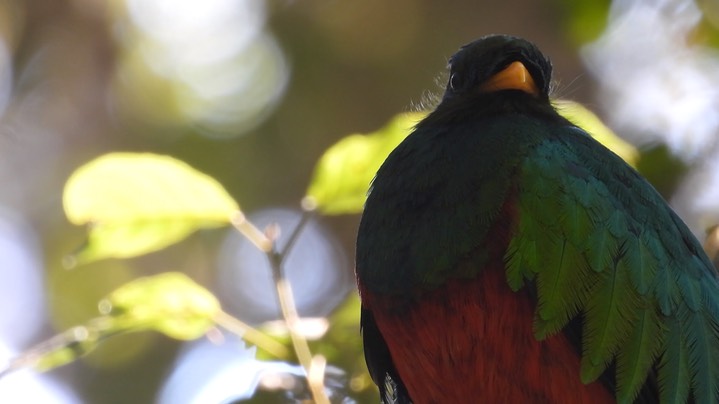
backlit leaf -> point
(135, 203)
(170, 303)
(587, 120)
(343, 174)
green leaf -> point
(583, 21)
(587, 120)
(56, 351)
(135, 203)
(343, 174)
(170, 303)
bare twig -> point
(259, 239)
(267, 242)
(251, 335)
(289, 312)
(306, 216)
(316, 375)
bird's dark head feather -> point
(478, 61)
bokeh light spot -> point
(21, 282)
(212, 65)
(26, 386)
(209, 373)
(655, 84)
(6, 76)
(316, 269)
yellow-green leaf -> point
(170, 303)
(135, 203)
(56, 351)
(587, 120)
(343, 174)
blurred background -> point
(252, 92)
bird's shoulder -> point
(437, 195)
(596, 239)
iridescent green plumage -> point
(597, 239)
(607, 261)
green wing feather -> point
(596, 238)
(635, 361)
(673, 367)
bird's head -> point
(498, 63)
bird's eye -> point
(454, 81)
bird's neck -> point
(479, 106)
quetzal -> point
(505, 256)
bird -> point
(505, 256)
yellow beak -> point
(513, 77)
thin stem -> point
(255, 235)
(299, 342)
(289, 313)
(251, 334)
(306, 216)
(316, 375)
(267, 242)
